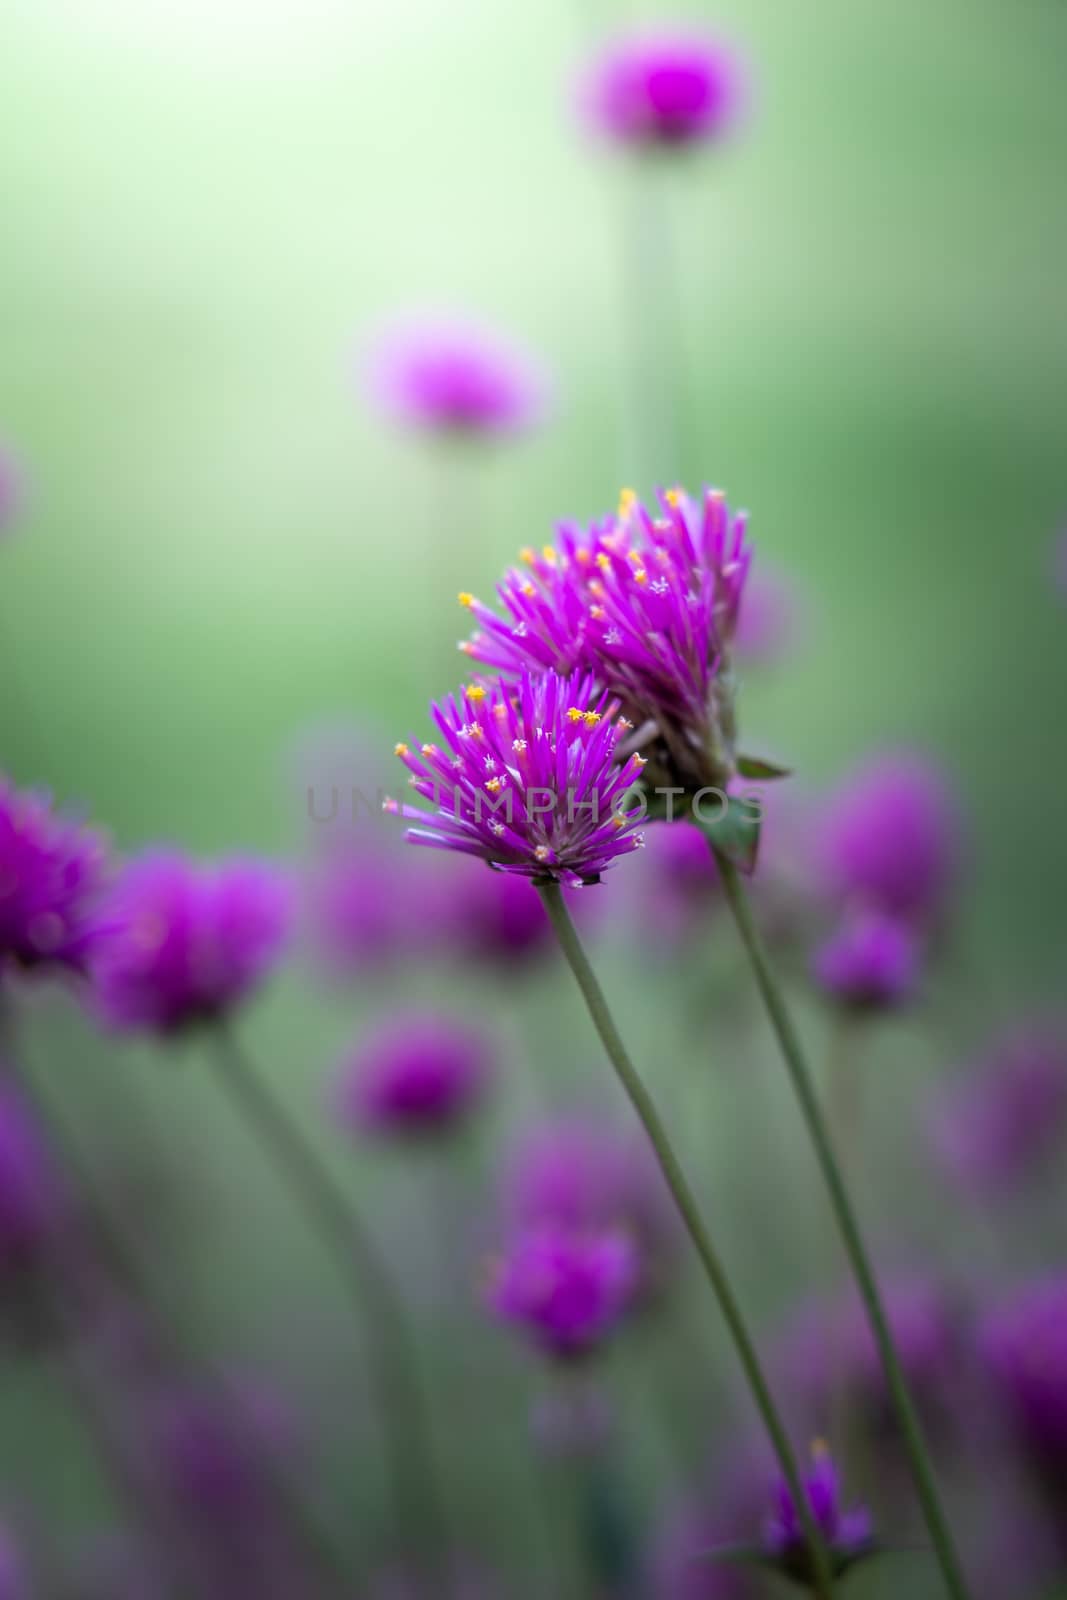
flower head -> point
(1023, 1346)
(567, 1288)
(418, 1073)
(578, 1172)
(891, 836)
(528, 779)
(455, 377)
(646, 603)
(189, 941)
(848, 1534)
(1000, 1121)
(870, 964)
(52, 872)
(664, 89)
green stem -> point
(685, 1201)
(416, 1504)
(804, 1089)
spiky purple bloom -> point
(567, 1288)
(419, 1073)
(578, 1172)
(849, 1535)
(457, 377)
(871, 963)
(667, 88)
(648, 605)
(527, 779)
(1000, 1121)
(891, 836)
(52, 873)
(189, 941)
(1023, 1348)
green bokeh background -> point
(209, 208)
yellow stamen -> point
(591, 718)
(597, 613)
(549, 554)
(529, 588)
(542, 852)
(494, 785)
(476, 691)
(575, 714)
(400, 749)
(627, 501)
(429, 749)
(640, 576)
(603, 561)
(674, 497)
(527, 555)
(465, 598)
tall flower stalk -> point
(800, 1077)
(684, 1199)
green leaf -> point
(757, 767)
(733, 826)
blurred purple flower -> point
(770, 622)
(871, 963)
(567, 1288)
(359, 912)
(528, 780)
(10, 488)
(1022, 1344)
(188, 941)
(668, 88)
(829, 1350)
(849, 1535)
(998, 1122)
(580, 1173)
(892, 834)
(452, 376)
(490, 917)
(677, 883)
(419, 1073)
(52, 873)
(724, 1513)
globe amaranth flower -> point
(849, 1535)
(188, 941)
(52, 873)
(567, 1288)
(1004, 1118)
(528, 779)
(452, 376)
(418, 1073)
(579, 1172)
(871, 962)
(1022, 1345)
(891, 836)
(646, 603)
(664, 88)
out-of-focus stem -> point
(689, 1211)
(803, 1086)
(416, 1501)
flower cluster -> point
(664, 89)
(648, 605)
(455, 377)
(567, 1287)
(52, 873)
(187, 941)
(416, 1074)
(528, 778)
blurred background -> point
(228, 563)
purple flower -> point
(527, 779)
(649, 606)
(870, 964)
(357, 906)
(580, 1173)
(830, 1350)
(52, 872)
(770, 621)
(891, 836)
(488, 917)
(1023, 1348)
(1000, 1121)
(665, 88)
(10, 489)
(848, 1534)
(567, 1288)
(416, 1074)
(455, 377)
(188, 941)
